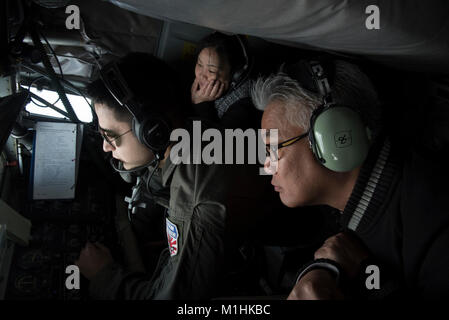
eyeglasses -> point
(113, 138)
(272, 150)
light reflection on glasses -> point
(111, 139)
(272, 150)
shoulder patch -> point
(172, 237)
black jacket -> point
(241, 114)
(399, 209)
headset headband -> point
(118, 88)
(320, 78)
(242, 73)
(245, 66)
(337, 134)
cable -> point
(80, 59)
(151, 176)
(133, 201)
(45, 104)
(54, 78)
(23, 146)
(72, 87)
(78, 90)
(53, 52)
(37, 104)
(65, 114)
(96, 60)
(29, 90)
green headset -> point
(338, 137)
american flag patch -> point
(172, 237)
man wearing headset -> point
(137, 106)
(332, 151)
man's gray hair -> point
(350, 87)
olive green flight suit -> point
(207, 205)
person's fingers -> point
(215, 88)
(221, 90)
(349, 238)
(218, 90)
(202, 91)
(195, 85)
(101, 246)
(296, 293)
(333, 238)
(336, 241)
(325, 252)
(329, 243)
(209, 88)
(205, 89)
(93, 246)
(320, 253)
(334, 246)
(340, 242)
(345, 242)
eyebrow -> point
(209, 65)
(107, 130)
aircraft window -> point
(79, 104)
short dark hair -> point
(227, 47)
(153, 83)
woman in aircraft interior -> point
(221, 89)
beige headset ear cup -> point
(343, 142)
(337, 134)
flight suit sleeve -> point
(192, 271)
(188, 271)
(115, 283)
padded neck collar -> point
(376, 180)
